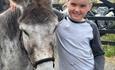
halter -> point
(42, 61)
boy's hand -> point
(12, 5)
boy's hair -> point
(91, 1)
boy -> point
(79, 46)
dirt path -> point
(110, 63)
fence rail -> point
(101, 18)
(108, 43)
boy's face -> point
(78, 9)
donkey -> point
(12, 53)
(37, 23)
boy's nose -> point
(77, 8)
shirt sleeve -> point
(96, 42)
(58, 14)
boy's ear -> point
(90, 6)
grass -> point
(109, 50)
(108, 37)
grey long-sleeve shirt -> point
(74, 45)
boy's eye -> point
(83, 5)
(73, 4)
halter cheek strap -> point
(42, 61)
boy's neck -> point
(75, 21)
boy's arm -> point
(96, 42)
(58, 14)
(99, 59)
(97, 48)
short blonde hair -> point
(92, 1)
